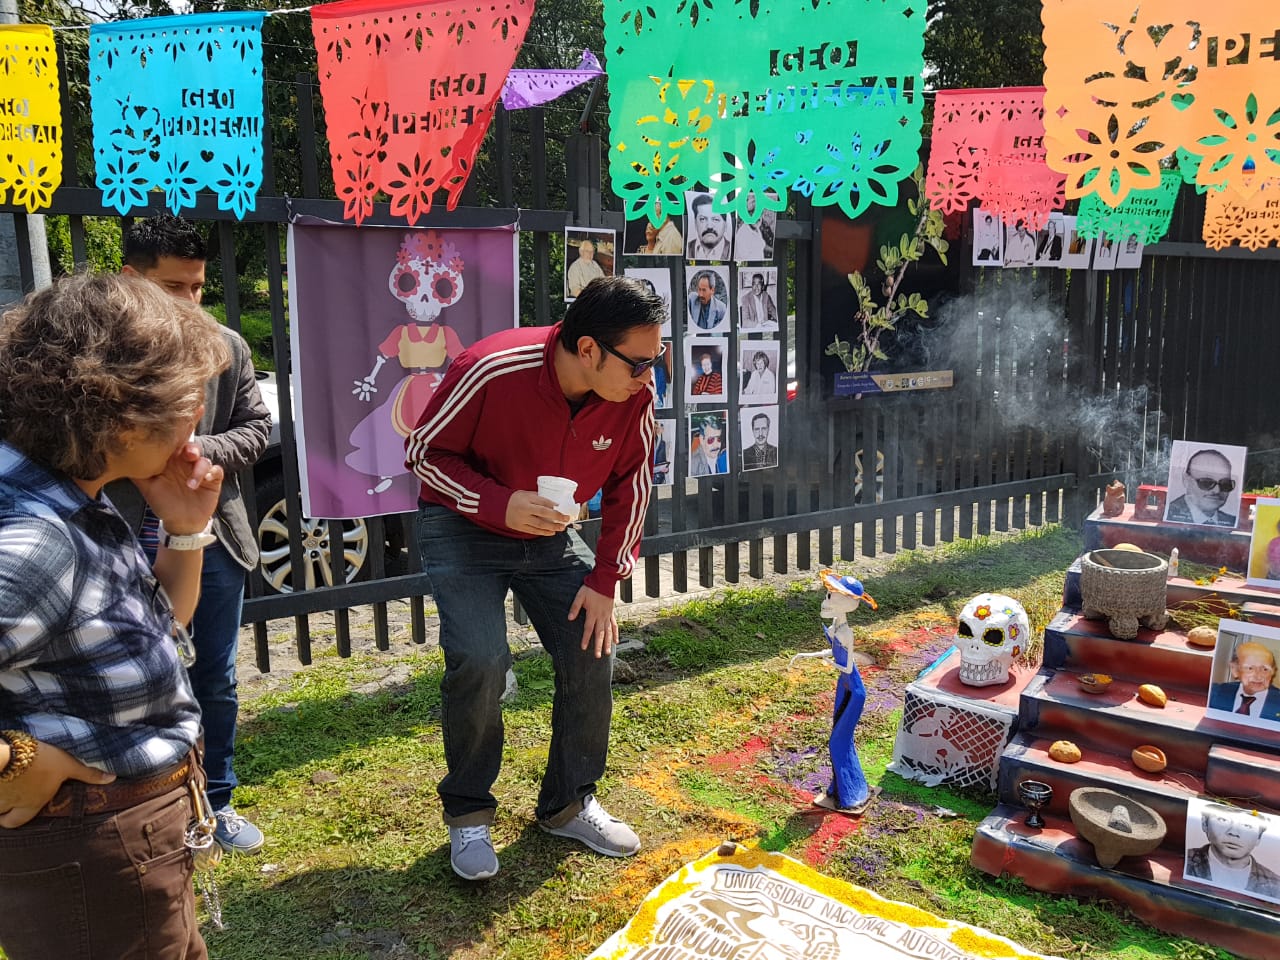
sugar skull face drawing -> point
(427, 276)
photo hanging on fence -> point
(1050, 242)
(663, 382)
(1019, 245)
(1104, 253)
(753, 242)
(704, 370)
(642, 239)
(1129, 253)
(664, 453)
(710, 234)
(658, 280)
(1204, 483)
(588, 254)
(1242, 683)
(757, 300)
(988, 239)
(758, 371)
(1079, 249)
(1232, 848)
(708, 442)
(1264, 545)
(707, 293)
(759, 427)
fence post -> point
(1082, 371)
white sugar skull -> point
(993, 631)
(427, 276)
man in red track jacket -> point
(574, 400)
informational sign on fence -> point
(868, 384)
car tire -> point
(276, 565)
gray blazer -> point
(233, 433)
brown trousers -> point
(111, 886)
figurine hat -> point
(849, 586)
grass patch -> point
(356, 864)
(255, 327)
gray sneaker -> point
(598, 830)
(471, 852)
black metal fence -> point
(1177, 348)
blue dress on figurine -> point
(848, 792)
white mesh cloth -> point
(948, 739)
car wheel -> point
(276, 564)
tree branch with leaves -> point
(873, 320)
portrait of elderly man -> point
(1251, 691)
(708, 308)
(710, 233)
(1228, 859)
(1207, 483)
(584, 269)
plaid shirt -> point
(87, 659)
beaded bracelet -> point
(22, 750)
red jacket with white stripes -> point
(498, 420)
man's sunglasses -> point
(638, 367)
(1226, 485)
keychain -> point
(205, 853)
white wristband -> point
(188, 541)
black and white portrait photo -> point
(757, 299)
(988, 239)
(758, 371)
(709, 234)
(759, 437)
(1204, 483)
(1232, 848)
(753, 242)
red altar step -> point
(1054, 859)
(1206, 756)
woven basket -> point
(1125, 587)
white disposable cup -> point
(560, 491)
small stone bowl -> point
(1149, 758)
(1094, 682)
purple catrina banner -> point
(532, 88)
(377, 314)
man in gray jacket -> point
(232, 433)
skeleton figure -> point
(426, 278)
(993, 631)
(848, 790)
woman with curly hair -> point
(101, 377)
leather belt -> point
(75, 798)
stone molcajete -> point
(993, 631)
(1116, 825)
(1125, 587)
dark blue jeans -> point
(215, 631)
(471, 571)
